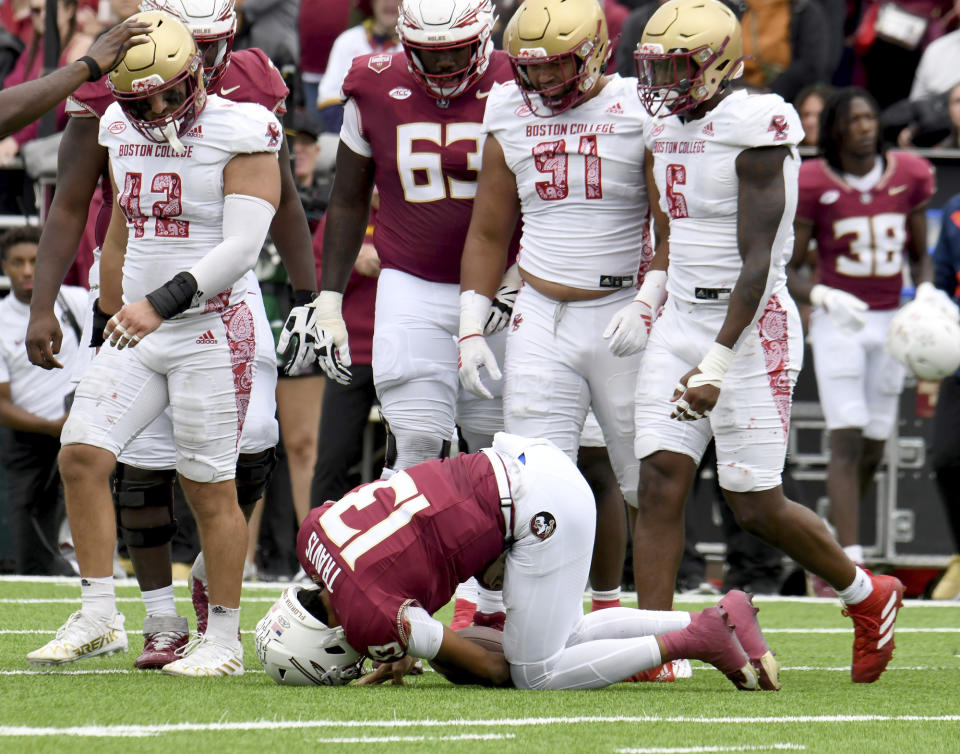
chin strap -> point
(170, 134)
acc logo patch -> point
(543, 525)
(400, 92)
(657, 130)
(379, 63)
(829, 197)
(117, 127)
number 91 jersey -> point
(173, 204)
(862, 235)
(581, 185)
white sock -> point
(198, 570)
(858, 591)
(608, 595)
(467, 590)
(855, 553)
(223, 624)
(160, 601)
(489, 601)
(98, 597)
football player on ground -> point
(866, 209)
(144, 479)
(564, 149)
(723, 356)
(389, 554)
(206, 170)
(411, 128)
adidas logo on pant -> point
(207, 337)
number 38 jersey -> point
(405, 540)
(694, 165)
(862, 235)
(173, 204)
(585, 180)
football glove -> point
(630, 326)
(845, 309)
(502, 305)
(929, 294)
(472, 346)
(298, 342)
(327, 332)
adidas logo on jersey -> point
(196, 132)
(708, 129)
(614, 109)
(207, 337)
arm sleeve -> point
(246, 220)
(426, 633)
(351, 132)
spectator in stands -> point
(303, 130)
(938, 70)
(809, 104)
(73, 45)
(34, 404)
(945, 453)
(377, 33)
(270, 25)
(953, 110)
(321, 22)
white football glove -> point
(472, 346)
(629, 328)
(929, 294)
(845, 309)
(330, 331)
(298, 343)
(502, 305)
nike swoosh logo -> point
(483, 95)
(897, 190)
(228, 92)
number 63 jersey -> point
(862, 235)
(173, 204)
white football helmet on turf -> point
(213, 24)
(924, 339)
(297, 649)
(461, 27)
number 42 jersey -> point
(173, 204)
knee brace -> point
(141, 490)
(412, 448)
(253, 474)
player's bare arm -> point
(496, 208)
(23, 104)
(80, 163)
(921, 267)
(661, 223)
(290, 231)
(761, 204)
(346, 217)
(21, 420)
(111, 258)
(797, 284)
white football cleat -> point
(206, 657)
(82, 637)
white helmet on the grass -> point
(925, 340)
(297, 649)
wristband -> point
(92, 65)
(713, 367)
(100, 319)
(302, 298)
(175, 296)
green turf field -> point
(103, 705)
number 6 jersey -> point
(173, 204)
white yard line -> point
(698, 749)
(416, 739)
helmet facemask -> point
(678, 80)
(215, 64)
(453, 83)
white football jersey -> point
(174, 205)
(586, 220)
(694, 165)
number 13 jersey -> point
(173, 205)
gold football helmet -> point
(689, 48)
(555, 31)
(160, 66)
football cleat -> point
(743, 616)
(873, 623)
(490, 620)
(463, 611)
(948, 588)
(668, 672)
(163, 635)
(818, 587)
(82, 637)
(206, 657)
(711, 638)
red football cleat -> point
(743, 616)
(660, 674)
(711, 638)
(873, 622)
(163, 635)
(463, 611)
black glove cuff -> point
(302, 298)
(100, 319)
(175, 296)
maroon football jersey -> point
(862, 236)
(250, 77)
(407, 540)
(427, 159)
